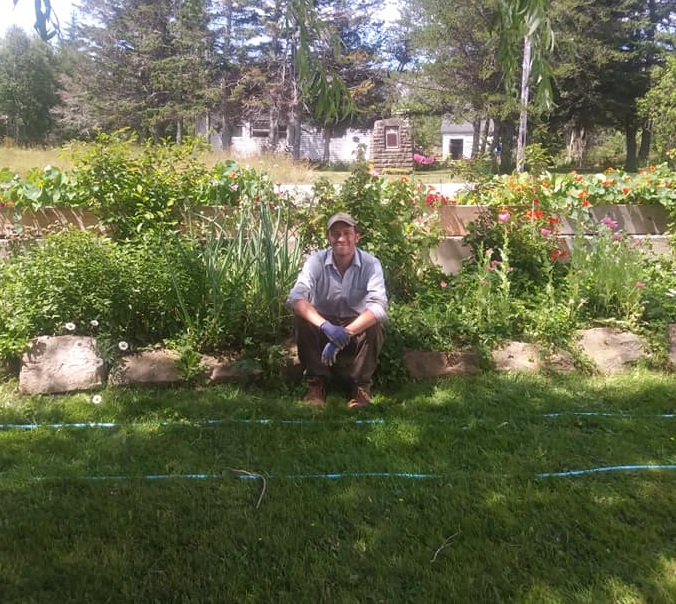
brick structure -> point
(392, 144)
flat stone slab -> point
(147, 368)
(222, 370)
(672, 344)
(611, 350)
(57, 364)
(517, 356)
(429, 364)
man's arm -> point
(305, 310)
(365, 320)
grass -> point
(438, 496)
(281, 169)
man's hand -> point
(329, 354)
(336, 333)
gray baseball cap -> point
(341, 217)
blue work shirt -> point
(361, 288)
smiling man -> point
(340, 305)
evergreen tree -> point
(28, 87)
(143, 65)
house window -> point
(238, 131)
(456, 148)
(261, 129)
(391, 137)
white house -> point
(457, 139)
(251, 138)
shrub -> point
(70, 278)
(74, 277)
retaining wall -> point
(644, 222)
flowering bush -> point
(570, 194)
(531, 238)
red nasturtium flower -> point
(537, 215)
(558, 254)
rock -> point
(611, 350)
(230, 369)
(517, 356)
(55, 364)
(672, 343)
(148, 368)
(429, 364)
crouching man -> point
(340, 306)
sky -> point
(23, 14)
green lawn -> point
(435, 494)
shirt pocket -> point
(356, 298)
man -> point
(340, 306)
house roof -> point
(448, 126)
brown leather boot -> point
(361, 398)
(316, 391)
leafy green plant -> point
(245, 267)
(609, 272)
(134, 188)
(483, 297)
(41, 187)
(76, 276)
(570, 195)
(70, 278)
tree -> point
(141, 65)
(527, 20)
(455, 68)
(28, 87)
(602, 66)
(46, 22)
(658, 107)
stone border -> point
(60, 364)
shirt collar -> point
(356, 260)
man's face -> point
(343, 238)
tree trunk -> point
(630, 163)
(644, 149)
(328, 133)
(506, 137)
(576, 147)
(523, 119)
(226, 132)
(294, 123)
(273, 135)
(477, 138)
(179, 131)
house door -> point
(456, 148)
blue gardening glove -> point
(336, 333)
(329, 354)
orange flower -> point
(582, 194)
(585, 203)
(626, 190)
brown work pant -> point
(360, 356)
